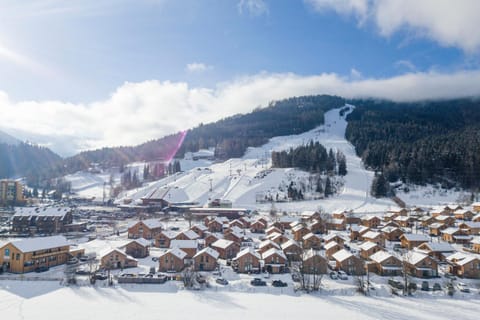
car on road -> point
(437, 286)
(396, 284)
(333, 275)
(279, 283)
(41, 269)
(221, 281)
(257, 282)
(72, 260)
(462, 287)
(342, 275)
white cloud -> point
(450, 23)
(137, 112)
(253, 7)
(405, 64)
(197, 67)
(355, 74)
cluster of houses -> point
(402, 241)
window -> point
(7, 252)
(17, 257)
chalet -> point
(404, 222)
(399, 211)
(247, 221)
(116, 259)
(25, 255)
(285, 222)
(425, 221)
(421, 265)
(475, 245)
(476, 218)
(205, 260)
(210, 238)
(258, 226)
(237, 223)
(308, 216)
(464, 266)
(476, 207)
(190, 247)
(138, 248)
(339, 215)
(389, 216)
(470, 227)
(234, 235)
(273, 229)
(274, 261)
(371, 221)
(316, 226)
(278, 238)
(46, 220)
(375, 237)
(267, 245)
(334, 237)
(163, 239)
(312, 241)
(463, 214)
(392, 233)
(357, 231)
(215, 225)
(437, 250)
(346, 261)
(247, 260)
(411, 240)
(385, 264)
(156, 198)
(299, 231)
(331, 248)
(147, 229)
(449, 221)
(351, 218)
(436, 228)
(314, 262)
(187, 235)
(199, 229)
(172, 260)
(226, 248)
(368, 248)
(336, 224)
(455, 235)
(292, 249)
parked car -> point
(84, 258)
(437, 286)
(342, 275)
(221, 281)
(155, 259)
(450, 276)
(396, 284)
(397, 247)
(333, 275)
(425, 286)
(72, 260)
(41, 269)
(278, 283)
(257, 282)
(463, 287)
(101, 276)
(295, 277)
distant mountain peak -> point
(8, 139)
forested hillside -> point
(425, 142)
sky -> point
(84, 74)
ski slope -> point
(240, 180)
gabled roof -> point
(179, 253)
(202, 227)
(211, 252)
(311, 236)
(116, 250)
(222, 243)
(289, 243)
(438, 246)
(41, 211)
(143, 242)
(342, 255)
(330, 245)
(415, 257)
(331, 236)
(150, 223)
(42, 243)
(273, 251)
(169, 234)
(312, 253)
(184, 244)
(451, 230)
(415, 237)
(190, 234)
(268, 242)
(380, 256)
(367, 245)
(372, 234)
(248, 250)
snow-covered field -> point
(47, 300)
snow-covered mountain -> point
(8, 139)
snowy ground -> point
(48, 300)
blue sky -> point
(77, 62)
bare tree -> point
(189, 277)
(308, 271)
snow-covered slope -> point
(242, 180)
(8, 139)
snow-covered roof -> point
(246, 251)
(415, 257)
(211, 252)
(222, 243)
(380, 256)
(367, 245)
(443, 218)
(312, 253)
(451, 230)
(466, 260)
(41, 211)
(150, 223)
(330, 245)
(372, 234)
(184, 244)
(170, 234)
(190, 234)
(308, 214)
(415, 237)
(42, 243)
(289, 243)
(310, 236)
(438, 246)
(273, 251)
(298, 227)
(179, 253)
(143, 242)
(389, 229)
(342, 255)
(331, 236)
(265, 243)
(201, 227)
(116, 250)
(471, 224)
